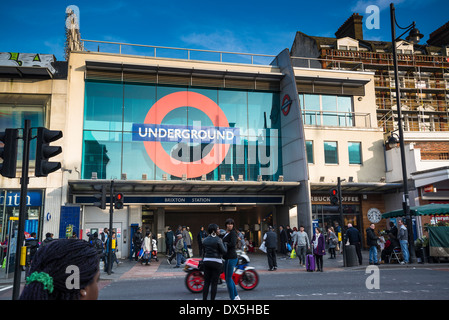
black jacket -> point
(353, 235)
(213, 247)
(46, 241)
(169, 238)
(394, 231)
(137, 239)
(271, 241)
(33, 244)
(98, 246)
(283, 235)
(371, 239)
(230, 239)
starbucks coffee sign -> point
(324, 198)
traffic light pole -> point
(340, 210)
(111, 214)
(24, 180)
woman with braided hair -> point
(65, 269)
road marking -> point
(6, 288)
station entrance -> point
(251, 220)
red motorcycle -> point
(244, 275)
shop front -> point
(9, 207)
(329, 215)
(361, 207)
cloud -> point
(220, 41)
(56, 47)
(361, 5)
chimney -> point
(353, 27)
(439, 37)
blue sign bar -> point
(177, 133)
(192, 200)
(12, 199)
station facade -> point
(192, 142)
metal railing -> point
(180, 53)
(356, 60)
(336, 119)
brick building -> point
(424, 82)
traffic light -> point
(9, 152)
(44, 151)
(100, 196)
(334, 196)
(118, 203)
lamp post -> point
(413, 37)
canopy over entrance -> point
(425, 210)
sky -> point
(262, 27)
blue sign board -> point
(12, 199)
(193, 200)
(178, 133)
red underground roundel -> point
(162, 159)
(286, 104)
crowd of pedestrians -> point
(217, 248)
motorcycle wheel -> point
(195, 281)
(249, 280)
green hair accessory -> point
(43, 278)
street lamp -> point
(413, 37)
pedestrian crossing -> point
(5, 287)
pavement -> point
(132, 270)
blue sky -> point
(265, 27)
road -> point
(395, 284)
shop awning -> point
(425, 210)
(356, 187)
(189, 192)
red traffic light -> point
(118, 203)
(334, 196)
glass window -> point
(102, 152)
(263, 111)
(311, 109)
(235, 106)
(14, 116)
(103, 106)
(355, 152)
(330, 152)
(138, 100)
(309, 150)
(328, 110)
(329, 103)
(345, 111)
(136, 160)
(110, 148)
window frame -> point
(322, 115)
(312, 155)
(336, 152)
(360, 153)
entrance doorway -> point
(247, 218)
